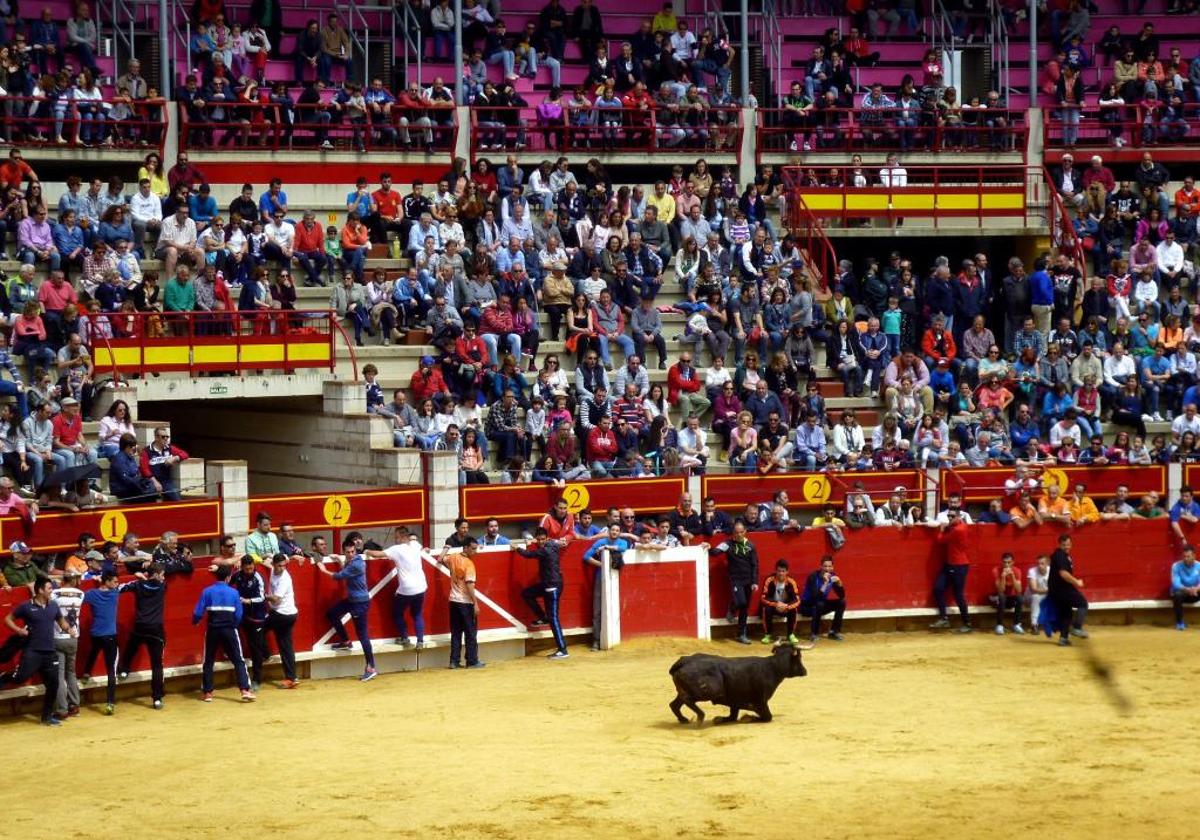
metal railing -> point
(364, 21)
(70, 124)
(853, 196)
(998, 46)
(772, 41)
(236, 126)
(1136, 126)
(213, 342)
(944, 40)
(410, 29)
(614, 130)
(1062, 227)
(782, 131)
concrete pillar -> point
(441, 479)
(462, 148)
(231, 480)
(342, 398)
(747, 168)
(105, 397)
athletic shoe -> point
(767, 639)
(558, 654)
(1064, 642)
(51, 721)
(999, 629)
(109, 709)
(247, 696)
(1158, 418)
(342, 646)
(207, 697)
(122, 676)
(157, 705)
(1181, 626)
(419, 646)
(540, 623)
(940, 624)
(1018, 629)
(289, 684)
(1079, 632)
(837, 637)
(792, 639)
(744, 640)
(255, 686)
(595, 648)
(964, 629)
(476, 664)
(72, 711)
(454, 664)
(403, 642)
(85, 679)
(368, 675)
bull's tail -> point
(679, 663)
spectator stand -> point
(981, 485)
(1139, 127)
(529, 502)
(112, 131)
(812, 490)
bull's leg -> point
(732, 717)
(691, 704)
(676, 705)
(763, 711)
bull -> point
(744, 682)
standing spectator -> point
(102, 601)
(411, 585)
(40, 615)
(1185, 584)
(742, 559)
(824, 593)
(548, 588)
(1008, 594)
(953, 536)
(223, 608)
(281, 598)
(253, 594)
(261, 542)
(1066, 592)
(150, 594)
(357, 602)
(69, 598)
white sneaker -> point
(326, 145)
(807, 146)
(793, 147)
(1146, 418)
(1018, 629)
(1158, 418)
(999, 629)
(1119, 142)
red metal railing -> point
(614, 130)
(1062, 227)
(38, 121)
(1135, 126)
(213, 342)
(855, 194)
(810, 231)
(238, 126)
(780, 131)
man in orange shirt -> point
(1188, 196)
(1082, 509)
(1053, 507)
(1025, 513)
(308, 248)
(464, 607)
(952, 537)
(389, 214)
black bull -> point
(744, 682)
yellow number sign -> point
(337, 511)
(1057, 477)
(113, 526)
(817, 489)
(577, 497)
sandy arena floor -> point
(890, 735)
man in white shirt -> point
(1117, 368)
(177, 238)
(518, 225)
(411, 584)
(145, 208)
(69, 598)
(683, 44)
(281, 597)
(1169, 260)
(893, 176)
(1186, 422)
(281, 239)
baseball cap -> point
(94, 555)
(427, 360)
(19, 547)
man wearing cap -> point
(40, 615)
(70, 445)
(261, 541)
(19, 570)
(427, 383)
(308, 247)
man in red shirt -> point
(1008, 594)
(15, 171)
(952, 537)
(308, 248)
(70, 446)
(389, 214)
(602, 448)
(427, 382)
(559, 522)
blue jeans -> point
(325, 65)
(504, 57)
(491, 341)
(443, 43)
(10, 389)
(358, 614)
(313, 263)
(54, 261)
(412, 604)
(601, 469)
(1089, 426)
(354, 260)
(107, 450)
(623, 341)
(549, 595)
(953, 577)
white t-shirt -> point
(281, 586)
(410, 574)
(70, 602)
(1038, 580)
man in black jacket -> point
(253, 595)
(742, 558)
(824, 594)
(686, 522)
(149, 594)
(779, 600)
(548, 587)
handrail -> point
(998, 46)
(1134, 125)
(822, 257)
(944, 39)
(410, 27)
(357, 15)
(1062, 228)
(349, 346)
(44, 120)
(773, 45)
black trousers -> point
(107, 645)
(819, 611)
(1072, 610)
(256, 641)
(1004, 602)
(282, 626)
(953, 577)
(155, 640)
(224, 639)
(739, 602)
(1178, 599)
(463, 628)
(768, 615)
(44, 663)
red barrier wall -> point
(808, 489)
(60, 530)
(529, 502)
(658, 599)
(987, 483)
(352, 509)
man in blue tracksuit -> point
(103, 602)
(548, 587)
(357, 602)
(617, 544)
(220, 602)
